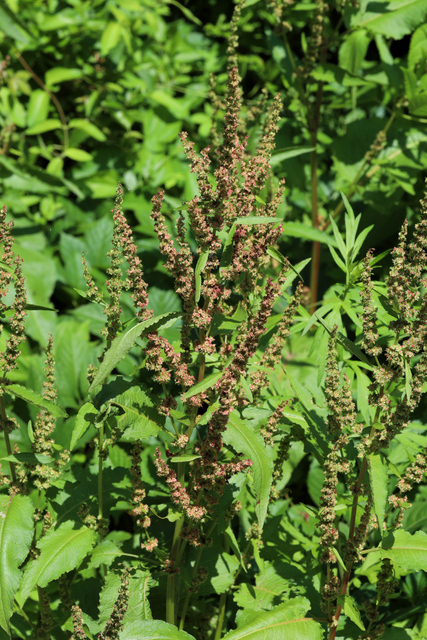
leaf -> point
(418, 47)
(345, 342)
(110, 37)
(286, 621)
(38, 107)
(248, 220)
(104, 553)
(242, 439)
(270, 589)
(292, 152)
(397, 19)
(77, 154)
(12, 27)
(138, 606)
(16, 534)
(82, 422)
(62, 550)
(153, 630)
(300, 230)
(350, 609)
(207, 382)
(353, 51)
(88, 128)
(121, 346)
(377, 467)
(201, 264)
(28, 458)
(61, 74)
(141, 418)
(185, 458)
(406, 550)
(34, 398)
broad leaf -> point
(398, 18)
(406, 550)
(284, 622)
(62, 550)
(124, 343)
(138, 606)
(242, 439)
(16, 534)
(105, 553)
(153, 630)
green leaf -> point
(38, 107)
(110, 37)
(397, 19)
(82, 422)
(300, 230)
(248, 220)
(42, 127)
(34, 398)
(141, 418)
(123, 344)
(78, 154)
(350, 609)
(104, 553)
(242, 439)
(28, 458)
(406, 550)
(270, 587)
(286, 621)
(378, 479)
(188, 14)
(88, 128)
(418, 47)
(292, 152)
(62, 550)
(345, 342)
(138, 605)
(353, 51)
(12, 27)
(201, 264)
(16, 534)
(153, 630)
(207, 382)
(61, 74)
(185, 458)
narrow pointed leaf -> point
(16, 534)
(285, 621)
(350, 609)
(243, 440)
(34, 398)
(124, 343)
(62, 550)
(201, 264)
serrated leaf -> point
(16, 534)
(406, 550)
(104, 553)
(242, 439)
(82, 423)
(398, 18)
(138, 606)
(62, 550)
(37, 400)
(121, 346)
(141, 416)
(286, 621)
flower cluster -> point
(369, 316)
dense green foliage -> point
(93, 93)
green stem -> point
(315, 256)
(188, 596)
(100, 446)
(171, 582)
(221, 615)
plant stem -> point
(171, 582)
(52, 96)
(315, 256)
